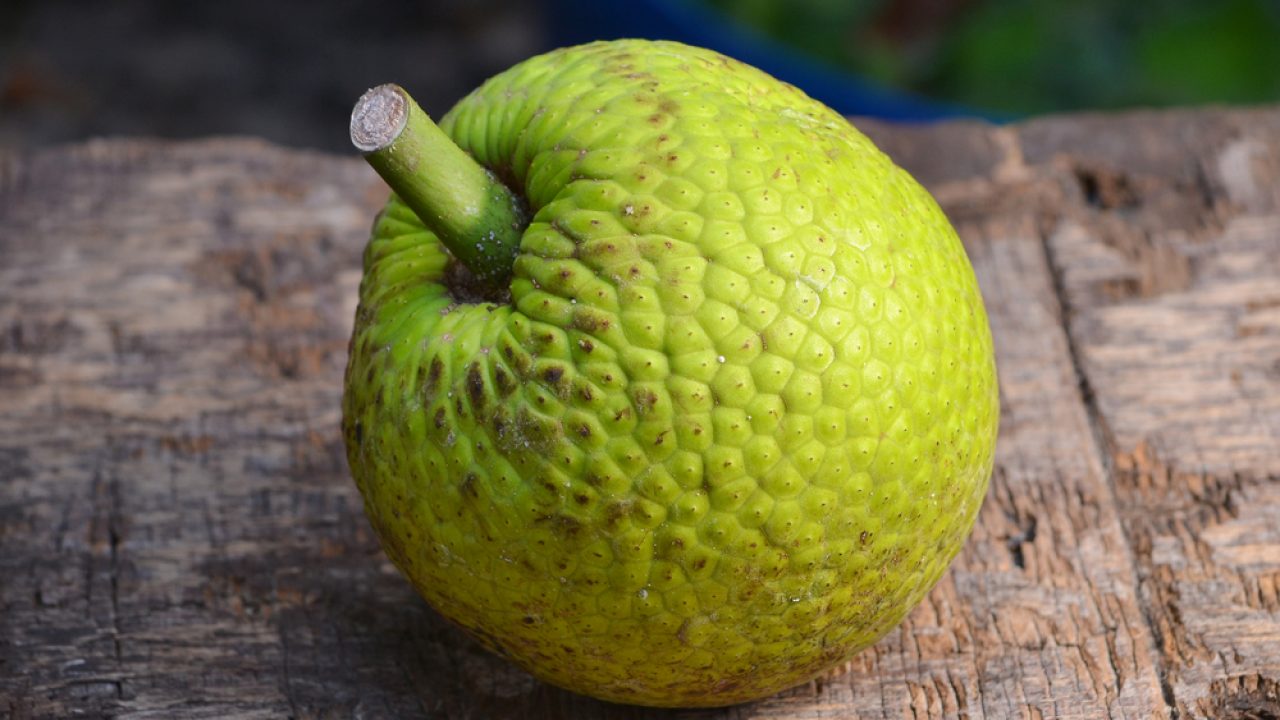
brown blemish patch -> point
(615, 512)
(645, 400)
(540, 432)
(503, 381)
(434, 372)
(590, 322)
(475, 387)
(561, 524)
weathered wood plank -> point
(179, 537)
(1171, 267)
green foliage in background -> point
(1030, 56)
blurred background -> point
(289, 71)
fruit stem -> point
(473, 213)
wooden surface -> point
(179, 537)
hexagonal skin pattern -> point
(738, 415)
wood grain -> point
(1173, 276)
(179, 537)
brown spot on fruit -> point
(475, 387)
(589, 322)
(567, 525)
(614, 512)
(503, 381)
(645, 400)
(433, 376)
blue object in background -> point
(690, 22)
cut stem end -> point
(477, 218)
(379, 117)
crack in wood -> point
(1101, 443)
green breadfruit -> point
(717, 416)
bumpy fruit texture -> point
(736, 416)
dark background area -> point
(285, 71)
(289, 71)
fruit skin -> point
(737, 415)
